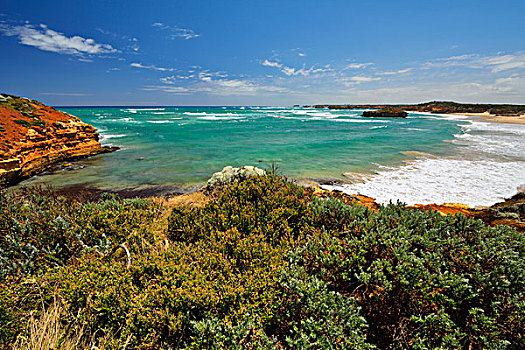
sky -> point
(273, 53)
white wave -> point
(425, 181)
(437, 116)
(496, 139)
(359, 120)
(284, 117)
(195, 113)
(158, 121)
(226, 116)
(512, 129)
(379, 127)
(124, 120)
(110, 136)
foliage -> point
(423, 280)
(262, 205)
(38, 231)
(262, 266)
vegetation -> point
(264, 265)
(28, 124)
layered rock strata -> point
(33, 137)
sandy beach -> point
(496, 118)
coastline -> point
(435, 166)
(495, 118)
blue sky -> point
(126, 52)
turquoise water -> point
(184, 146)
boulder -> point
(230, 175)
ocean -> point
(420, 159)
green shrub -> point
(47, 231)
(424, 280)
(263, 205)
(262, 266)
(23, 122)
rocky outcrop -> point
(386, 113)
(230, 175)
(33, 137)
(510, 212)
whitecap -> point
(442, 180)
(195, 113)
(110, 136)
(158, 121)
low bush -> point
(264, 205)
(264, 265)
(423, 280)
(39, 231)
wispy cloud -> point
(291, 71)
(47, 39)
(503, 62)
(176, 32)
(357, 65)
(495, 64)
(395, 72)
(166, 88)
(214, 83)
(356, 80)
(151, 67)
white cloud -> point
(503, 90)
(301, 54)
(362, 79)
(496, 64)
(358, 65)
(268, 63)
(47, 39)
(401, 71)
(152, 67)
(214, 83)
(504, 62)
(176, 32)
(290, 71)
(167, 88)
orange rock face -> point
(34, 136)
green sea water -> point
(184, 146)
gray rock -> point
(230, 175)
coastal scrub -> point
(264, 264)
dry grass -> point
(48, 332)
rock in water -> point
(230, 175)
(388, 112)
(34, 136)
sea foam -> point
(425, 181)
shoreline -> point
(494, 118)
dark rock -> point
(386, 113)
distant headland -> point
(497, 112)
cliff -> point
(34, 136)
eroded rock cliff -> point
(34, 136)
